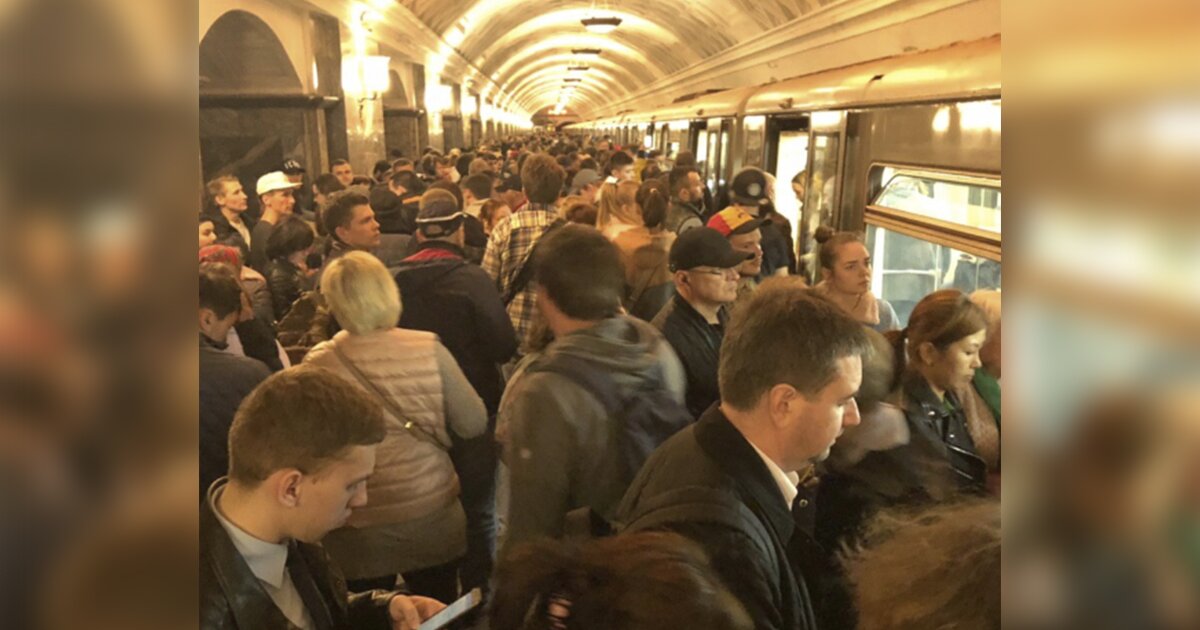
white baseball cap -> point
(275, 180)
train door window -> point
(791, 159)
(726, 150)
(928, 231)
(676, 140)
(647, 133)
(695, 143)
(712, 155)
(755, 128)
(820, 194)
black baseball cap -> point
(749, 187)
(292, 167)
(509, 182)
(704, 247)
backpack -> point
(645, 417)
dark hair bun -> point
(823, 234)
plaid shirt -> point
(507, 251)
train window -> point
(973, 204)
(713, 155)
(791, 158)
(679, 138)
(755, 127)
(822, 185)
(907, 269)
(726, 150)
(931, 230)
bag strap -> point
(413, 428)
(596, 382)
(639, 291)
(525, 273)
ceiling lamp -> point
(577, 68)
(572, 80)
(585, 51)
(601, 25)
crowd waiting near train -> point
(566, 373)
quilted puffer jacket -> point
(413, 476)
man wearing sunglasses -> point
(705, 268)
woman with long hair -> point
(618, 209)
(936, 357)
(645, 251)
(934, 453)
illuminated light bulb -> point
(941, 120)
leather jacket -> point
(286, 283)
(939, 431)
(232, 597)
(935, 461)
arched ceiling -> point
(525, 45)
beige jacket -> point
(413, 478)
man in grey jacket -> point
(562, 444)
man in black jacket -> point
(301, 449)
(706, 279)
(791, 363)
(225, 378)
(444, 294)
(395, 202)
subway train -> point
(903, 148)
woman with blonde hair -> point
(414, 524)
(619, 210)
(645, 250)
(934, 568)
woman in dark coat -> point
(921, 448)
(287, 272)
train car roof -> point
(960, 71)
(965, 70)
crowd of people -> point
(553, 369)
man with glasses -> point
(705, 268)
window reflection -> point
(962, 203)
(907, 269)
